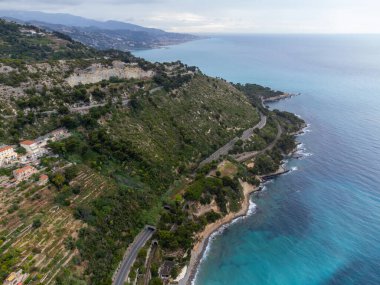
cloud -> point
(249, 16)
(48, 4)
(178, 17)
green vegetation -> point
(225, 191)
(267, 163)
(38, 45)
(254, 91)
(7, 260)
(176, 230)
(289, 121)
(133, 142)
(36, 223)
(150, 144)
(261, 138)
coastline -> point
(204, 236)
(278, 98)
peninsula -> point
(116, 169)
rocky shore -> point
(277, 98)
(204, 236)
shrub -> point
(36, 223)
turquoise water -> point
(319, 224)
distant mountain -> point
(98, 34)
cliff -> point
(97, 72)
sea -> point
(320, 223)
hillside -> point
(97, 34)
(107, 140)
(30, 43)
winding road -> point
(230, 145)
(131, 254)
(248, 155)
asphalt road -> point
(241, 157)
(230, 145)
(131, 255)
(249, 132)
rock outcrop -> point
(98, 72)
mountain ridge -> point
(102, 35)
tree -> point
(69, 243)
(63, 110)
(58, 179)
(71, 172)
(155, 281)
(36, 223)
(98, 94)
(20, 150)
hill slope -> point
(101, 35)
(136, 127)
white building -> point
(34, 149)
(7, 155)
(39, 147)
(23, 159)
(30, 146)
(24, 173)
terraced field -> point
(43, 251)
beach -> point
(203, 237)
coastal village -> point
(25, 157)
(23, 162)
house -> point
(34, 149)
(23, 159)
(16, 278)
(31, 147)
(42, 142)
(38, 147)
(43, 179)
(7, 155)
(24, 173)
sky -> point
(223, 16)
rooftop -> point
(24, 169)
(27, 142)
(5, 148)
(44, 177)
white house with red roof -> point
(24, 173)
(7, 155)
(33, 148)
(30, 146)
